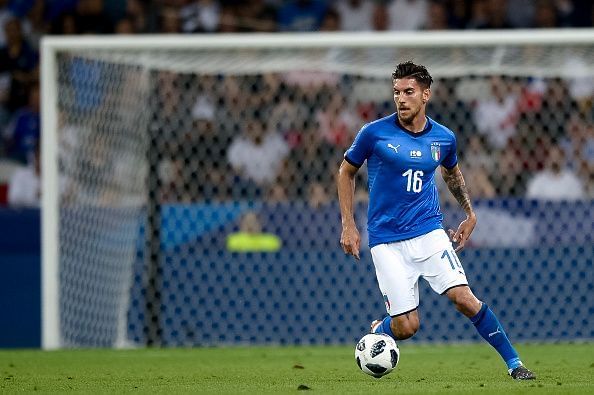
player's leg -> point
(398, 282)
(400, 327)
(444, 272)
(490, 329)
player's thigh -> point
(443, 270)
(397, 279)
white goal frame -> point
(52, 45)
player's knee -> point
(403, 329)
(467, 304)
(406, 332)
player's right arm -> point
(350, 239)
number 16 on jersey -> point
(414, 181)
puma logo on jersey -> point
(394, 148)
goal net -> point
(188, 183)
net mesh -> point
(103, 150)
(197, 198)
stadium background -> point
(531, 255)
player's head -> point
(412, 89)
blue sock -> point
(384, 327)
(491, 330)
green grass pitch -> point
(423, 369)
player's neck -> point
(415, 125)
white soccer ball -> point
(377, 354)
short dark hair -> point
(411, 70)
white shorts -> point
(399, 265)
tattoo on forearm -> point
(456, 185)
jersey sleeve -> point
(451, 158)
(361, 148)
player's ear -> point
(426, 95)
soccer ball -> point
(377, 354)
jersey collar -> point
(428, 127)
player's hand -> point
(463, 233)
(350, 240)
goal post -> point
(50, 331)
(106, 109)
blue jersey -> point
(403, 200)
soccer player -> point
(406, 236)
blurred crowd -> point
(518, 137)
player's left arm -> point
(455, 181)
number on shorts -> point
(446, 254)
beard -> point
(408, 116)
